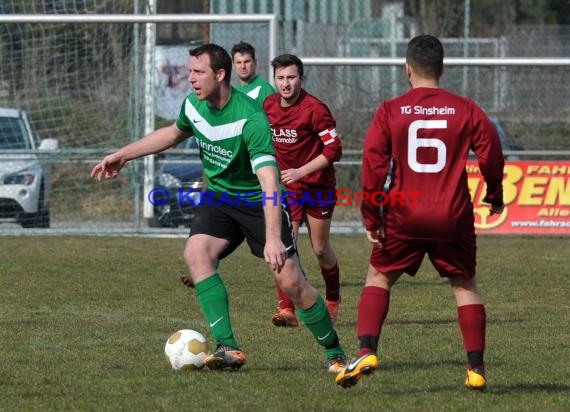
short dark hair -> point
(286, 60)
(243, 48)
(425, 55)
(219, 58)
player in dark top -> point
(426, 134)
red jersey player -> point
(306, 144)
(426, 134)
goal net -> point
(88, 85)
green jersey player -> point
(245, 64)
(233, 143)
(237, 155)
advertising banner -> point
(536, 195)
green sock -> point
(318, 321)
(213, 299)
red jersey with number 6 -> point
(426, 133)
(300, 133)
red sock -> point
(332, 282)
(372, 310)
(472, 322)
(284, 301)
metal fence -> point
(97, 85)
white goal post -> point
(271, 19)
(150, 21)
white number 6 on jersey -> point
(415, 142)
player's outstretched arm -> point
(109, 167)
(155, 142)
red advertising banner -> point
(536, 195)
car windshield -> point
(13, 134)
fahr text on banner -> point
(536, 195)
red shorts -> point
(319, 205)
(450, 259)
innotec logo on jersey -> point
(213, 148)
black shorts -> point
(236, 223)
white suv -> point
(24, 180)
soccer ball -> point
(186, 349)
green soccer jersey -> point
(257, 88)
(234, 142)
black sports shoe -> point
(336, 363)
(225, 357)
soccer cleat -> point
(336, 363)
(476, 379)
(225, 357)
(357, 368)
(333, 307)
(285, 318)
(187, 281)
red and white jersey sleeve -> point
(302, 132)
(426, 133)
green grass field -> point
(83, 323)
